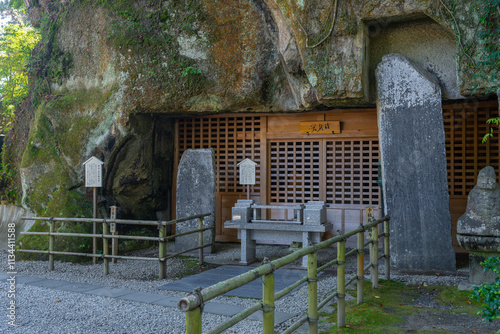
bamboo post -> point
(193, 321)
(105, 246)
(94, 225)
(341, 284)
(312, 287)
(51, 244)
(361, 266)
(268, 301)
(114, 242)
(387, 251)
(374, 260)
(200, 241)
(162, 252)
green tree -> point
(17, 40)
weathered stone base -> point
(476, 274)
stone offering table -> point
(308, 224)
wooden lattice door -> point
(233, 138)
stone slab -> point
(21, 279)
(195, 195)
(142, 297)
(109, 292)
(282, 278)
(167, 301)
(413, 157)
(48, 283)
(77, 287)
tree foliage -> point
(489, 293)
(17, 40)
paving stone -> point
(167, 301)
(27, 279)
(109, 292)
(142, 297)
(77, 287)
(48, 283)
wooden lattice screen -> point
(465, 126)
(352, 172)
(233, 139)
(294, 171)
(337, 171)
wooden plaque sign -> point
(247, 172)
(323, 127)
(93, 172)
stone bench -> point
(308, 224)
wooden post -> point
(193, 321)
(51, 244)
(114, 242)
(374, 260)
(387, 253)
(94, 225)
(312, 287)
(200, 241)
(162, 252)
(361, 266)
(105, 247)
(268, 300)
(341, 284)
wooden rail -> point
(106, 236)
(192, 305)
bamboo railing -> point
(106, 236)
(192, 305)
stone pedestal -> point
(476, 274)
(195, 195)
(413, 161)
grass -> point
(386, 310)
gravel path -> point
(42, 310)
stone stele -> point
(195, 195)
(413, 157)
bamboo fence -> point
(106, 236)
(192, 305)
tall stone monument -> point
(413, 157)
(195, 195)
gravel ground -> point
(41, 310)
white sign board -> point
(247, 172)
(93, 172)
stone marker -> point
(195, 195)
(413, 156)
(478, 229)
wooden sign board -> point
(247, 172)
(323, 127)
(93, 172)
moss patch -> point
(398, 308)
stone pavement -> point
(282, 279)
(137, 296)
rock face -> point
(414, 165)
(195, 195)
(101, 65)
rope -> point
(197, 292)
(267, 261)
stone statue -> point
(478, 229)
